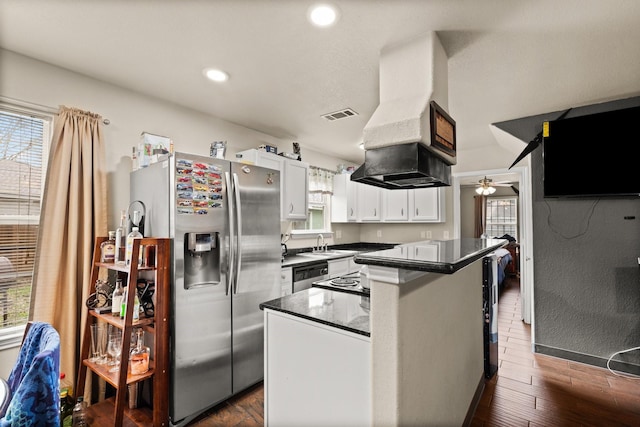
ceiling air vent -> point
(342, 114)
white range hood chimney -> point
(409, 140)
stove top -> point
(349, 283)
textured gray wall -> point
(586, 274)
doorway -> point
(521, 177)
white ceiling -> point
(507, 58)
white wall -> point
(130, 114)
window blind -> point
(22, 147)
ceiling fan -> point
(486, 186)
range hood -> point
(410, 140)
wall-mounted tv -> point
(592, 155)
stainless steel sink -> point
(327, 254)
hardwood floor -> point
(538, 390)
(529, 389)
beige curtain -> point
(479, 215)
(74, 212)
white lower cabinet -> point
(286, 281)
(315, 375)
(353, 267)
(338, 267)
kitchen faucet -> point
(319, 239)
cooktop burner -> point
(349, 283)
(344, 281)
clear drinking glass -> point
(114, 349)
(99, 343)
(94, 355)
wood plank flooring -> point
(529, 390)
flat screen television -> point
(592, 155)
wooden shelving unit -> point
(114, 411)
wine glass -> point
(114, 348)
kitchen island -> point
(424, 352)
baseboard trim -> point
(587, 359)
(474, 402)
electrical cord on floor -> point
(633, 377)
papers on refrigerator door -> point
(198, 187)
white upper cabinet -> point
(344, 200)
(295, 196)
(395, 204)
(356, 202)
(426, 205)
(369, 202)
(294, 181)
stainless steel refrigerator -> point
(224, 218)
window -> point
(24, 140)
(317, 214)
(502, 217)
(319, 208)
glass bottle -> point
(116, 298)
(123, 304)
(79, 416)
(66, 408)
(66, 405)
(136, 308)
(121, 238)
(135, 234)
(108, 248)
(139, 355)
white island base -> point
(315, 375)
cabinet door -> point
(343, 200)
(286, 281)
(338, 267)
(295, 197)
(395, 205)
(353, 267)
(368, 200)
(269, 160)
(427, 205)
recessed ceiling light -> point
(323, 15)
(216, 75)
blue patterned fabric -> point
(35, 380)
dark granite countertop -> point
(306, 256)
(333, 308)
(437, 256)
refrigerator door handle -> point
(230, 255)
(237, 232)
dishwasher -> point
(305, 275)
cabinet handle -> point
(417, 211)
(375, 212)
(351, 212)
(401, 211)
(291, 208)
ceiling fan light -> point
(485, 190)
